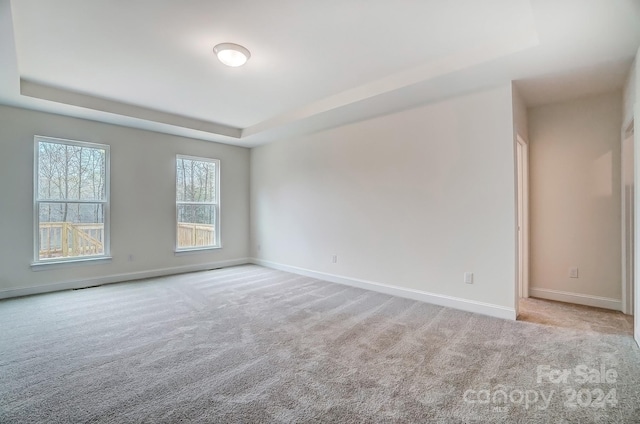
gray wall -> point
(410, 200)
(142, 201)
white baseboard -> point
(577, 298)
(436, 299)
(117, 278)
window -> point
(197, 203)
(71, 192)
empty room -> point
(297, 211)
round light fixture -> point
(232, 54)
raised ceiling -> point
(314, 64)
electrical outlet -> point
(468, 277)
(334, 259)
(573, 272)
(130, 257)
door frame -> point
(522, 216)
(636, 277)
(628, 211)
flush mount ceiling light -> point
(232, 54)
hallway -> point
(579, 317)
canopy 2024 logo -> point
(594, 397)
(582, 386)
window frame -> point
(215, 204)
(106, 204)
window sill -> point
(42, 266)
(183, 252)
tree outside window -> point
(197, 205)
(71, 199)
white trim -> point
(523, 286)
(627, 268)
(75, 261)
(636, 229)
(436, 299)
(118, 278)
(577, 298)
(184, 252)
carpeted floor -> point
(579, 317)
(253, 345)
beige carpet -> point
(579, 317)
(253, 345)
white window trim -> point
(186, 250)
(40, 264)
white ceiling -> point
(314, 64)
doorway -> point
(522, 170)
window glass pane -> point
(196, 225)
(195, 180)
(70, 230)
(70, 172)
